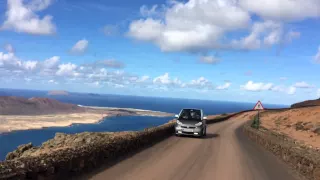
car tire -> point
(205, 132)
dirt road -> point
(225, 154)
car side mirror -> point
(177, 116)
(205, 118)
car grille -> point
(188, 127)
(187, 132)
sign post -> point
(256, 121)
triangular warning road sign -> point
(258, 106)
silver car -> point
(191, 122)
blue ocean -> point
(9, 141)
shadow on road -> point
(208, 136)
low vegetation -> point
(302, 124)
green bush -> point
(256, 123)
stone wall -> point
(305, 160)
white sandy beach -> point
(12, 123)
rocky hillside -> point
(11, 105)
(306, 103)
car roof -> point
(191, 109)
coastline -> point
(117, 108)
(12, 123)
(22, 123)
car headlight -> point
(199, 124)
(178, 122)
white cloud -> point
(166, 80)
(22, 17)
(144, 78)
(39, 5)
(66, 69)
(52, 71)
(9, 48)
(11, 62)
(163, 79)
(318, 93)
(145, 11)
(146, 30)
(303, 84)
(289, 90)
(30, 65)
(200, 82)
(317, 56)
(278, 88)
(119, 86)
(27, 79)
(209, 60)
(191, 26)
(112, 63)
(292, 35)
(283, 10)
(141, 79)
(224, 86)
(271, 32)
(292, 90)
(7, 58)
(251, 86)
(203, 25)
(80, 47)
(51, 81)
(48, 66)
(51, 62)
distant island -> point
(12, 105)
(18, 113)
(58, 92)
(93, 94)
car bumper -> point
(194, 131)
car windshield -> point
(190, 114)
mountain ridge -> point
(13, 105)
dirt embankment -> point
(306, 161)
(301, 124)
(293, 135)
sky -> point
(226, 50)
